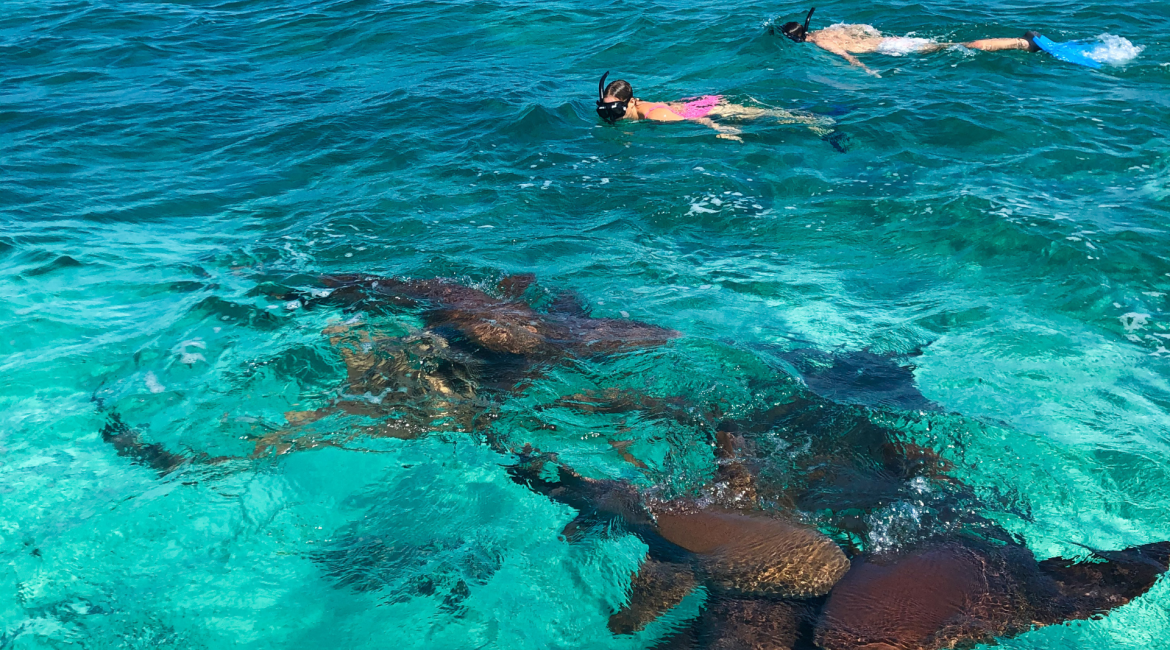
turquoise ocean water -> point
(1004, 213)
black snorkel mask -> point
(609, 111)
(796, 31)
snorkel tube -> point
(609, 111)
(796, 31)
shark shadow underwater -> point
(773, 581)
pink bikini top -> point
(693, 110)
(690, 110)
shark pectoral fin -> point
(736, 478)
(584, 525)
(1111, 579)
(276, 291)
(622, 447)
(514, 286)
(371, 293)
(656, 588)
(569, 303)
(733, 623)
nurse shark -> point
(773, 578)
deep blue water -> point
(1004, 213)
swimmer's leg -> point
(819, 125)
(930, 46)
(996, 44)
(740, 112)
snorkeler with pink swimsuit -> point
(617, 102)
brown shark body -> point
(957, 593)
(507, 324)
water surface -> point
(1004, 213)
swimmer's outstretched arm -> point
(853, 60)
(725, 132)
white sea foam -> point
(191, 358)
(901, 45)
(1134, 321)
(152, 383)
(1114, 50)
(728, 200)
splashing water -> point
(1114, 50)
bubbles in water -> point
(894, 525)
(920, 485)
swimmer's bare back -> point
(657, 111)
(676, 112)
(854, 39)
(847, 40)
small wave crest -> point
(1114, 50)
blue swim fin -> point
(1071, 52)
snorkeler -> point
(617, 102)
(847, 40)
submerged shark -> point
(503, 325)
(860, 377)
(773, 579)
(476, 347)
(779, 584)
(952, 579)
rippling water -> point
(1004, 213)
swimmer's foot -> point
(1030, 36)
(838, 140)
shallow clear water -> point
(1004, 212)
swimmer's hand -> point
(851, 59)
(727, 132)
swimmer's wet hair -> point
(796, 31)
(620, 89)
